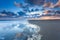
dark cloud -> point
(36, 2)
(5, 13)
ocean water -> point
(19, 30)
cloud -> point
(57, 4)
(35, 2)
(49, 4)
(17, 4)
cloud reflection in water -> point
(17, 30)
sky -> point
(9, 5)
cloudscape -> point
(26, 7)
(29, 19)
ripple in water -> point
(19, 31)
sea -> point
(19, 30)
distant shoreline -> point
(41, 18)
(46, 18)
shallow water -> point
(19, 30)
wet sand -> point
(50, 29)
